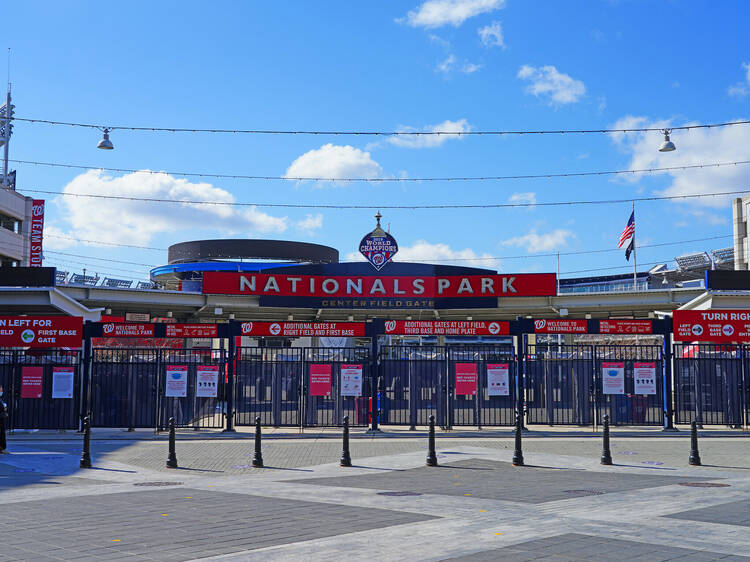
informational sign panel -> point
(41, 331)
(127, 330)
(191, 330)
(722, 326)
(613, 378)
(320, 380)
(137, 317)
(466, 379)
(557, 326)
(644, 377)
(447, 328)
(206, 381)
(31, 382)
(643, 326)
(176, 381)
(351, 380)
(301, 329)
(498, 379)
(63, 382)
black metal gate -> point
(711, 384)
(41, 411)
(274, 383)
(128, 388)
(559, 384)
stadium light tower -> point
(667, 145)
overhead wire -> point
(385, 133)
(389, 179)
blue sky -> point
(386, 65)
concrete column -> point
(740, 234)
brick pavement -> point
(219, 507)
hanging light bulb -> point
(667, 145)
(106, 144)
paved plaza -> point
(563, 505)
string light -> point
(383, 133)
(392, 179)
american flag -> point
(627, 234)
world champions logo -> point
(378, 246)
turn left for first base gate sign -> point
(41, 331)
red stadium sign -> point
(557, 326)
(127, 330)
(625, 327)
(41, 331)
(192, 330)
(446, 328)
(719, 326)
(302, 329)
(284, 285)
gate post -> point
(667, 370)
(229, 386)
(374, 364)
(520, 370)
(85, 404)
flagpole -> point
(635, 261)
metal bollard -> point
(257, 456)
(606, 453)
(695, 458)
(518, 452)
(3, 442)
(431, 455)
(172, 458)
(86, 455)
(346, 458)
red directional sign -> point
(41, 331)
(300, 329)
(711, 325)
(447, 328)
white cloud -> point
(492, 35)
(136, 222)
(430, 141)
(56, 239)
(451, 64)
(423, 251)
(470, 68)
(548, 82)
(437, 13)
(527, 197)
(447, 65)
(311, 222)
(535, 242)
(334, 162)
(741, 89)
(697, 146)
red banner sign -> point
(711, 325)
(320, 380)
(31, 382)
(446, 328)
(36, 232)
(625, 327)
(41, 331)
(277, 285)
(557, 326)
(127, 330)
(192, 330)
(466, 379)
(300, 329)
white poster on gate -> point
(498, 379)
(613, 378)
(176, 381)
(351, 380)
(644, 377)
(62, 382)
(206, 381)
